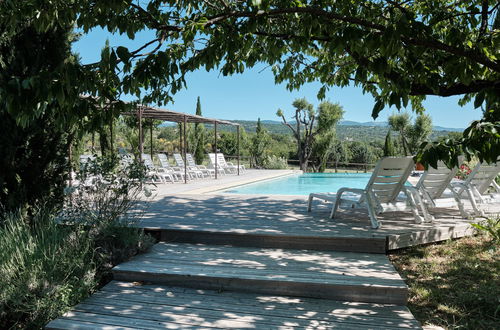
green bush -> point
(491, 227)
(50, 262)
(44, 269)
(275, 163)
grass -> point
(455, 284)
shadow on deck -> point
(283, 222)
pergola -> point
(143, 111)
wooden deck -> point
(342, 276)
(283, 222)
(123, 305)
(265, 263)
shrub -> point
(491, 227)
(50, 262)
(275, 163)
(44, 269)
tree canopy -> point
(398, 51)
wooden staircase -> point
(343, 276)
(200, 286)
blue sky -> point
(254, 94)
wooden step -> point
(341, 276)
(127, 305)
(279, 240)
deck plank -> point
(283, 222)
(344, 276)
(125, 305)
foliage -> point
(412, 135)
(199, 137)
(258, 145)
(32, 165)
(329, 115)
(104, 191)
(49, 263)
(463, 171)
(44, 268)
(41, 109)
(362, 153)
(228, 143)
(305, 129)
(490, 227)
(397, 51)
(453, 284)
(481, 139)
(389, 146)
(275, 163)
(341, 153)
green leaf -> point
(478, 101)
(379, 106)
(123, 53)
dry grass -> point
(455, 284)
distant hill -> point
(251, 123)
(346, 130)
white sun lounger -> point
(381, 193)
(218, 168)
(434, 189)
(480, 186)
(177, 172)
(226, 167)
(155, 173)
(191, 162)
(193, 171)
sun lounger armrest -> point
(496, 186)
(354, 190)
(458, 186)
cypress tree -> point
(199, 134)
(389, 149)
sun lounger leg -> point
(309, 203)
(336, 205)
(472, 199)
(371, 211)
(412, 195)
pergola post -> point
(215, 144)
(184, 151)
(180, 137)
(238, 148)
(151, 137)
(141, 149)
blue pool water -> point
(304, 184)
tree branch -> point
(289, 126)
(484, 19)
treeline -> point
(262, 148)
(263, 145)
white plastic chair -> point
(193, 171)
(381, 193)
(210, 172)
(434, 189)
(219, 168)
(480, 186)
(155, 173)
(177, 172)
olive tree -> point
(309, 124)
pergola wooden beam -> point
(143, 111)
(173, 116)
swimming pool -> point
(304, 184)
